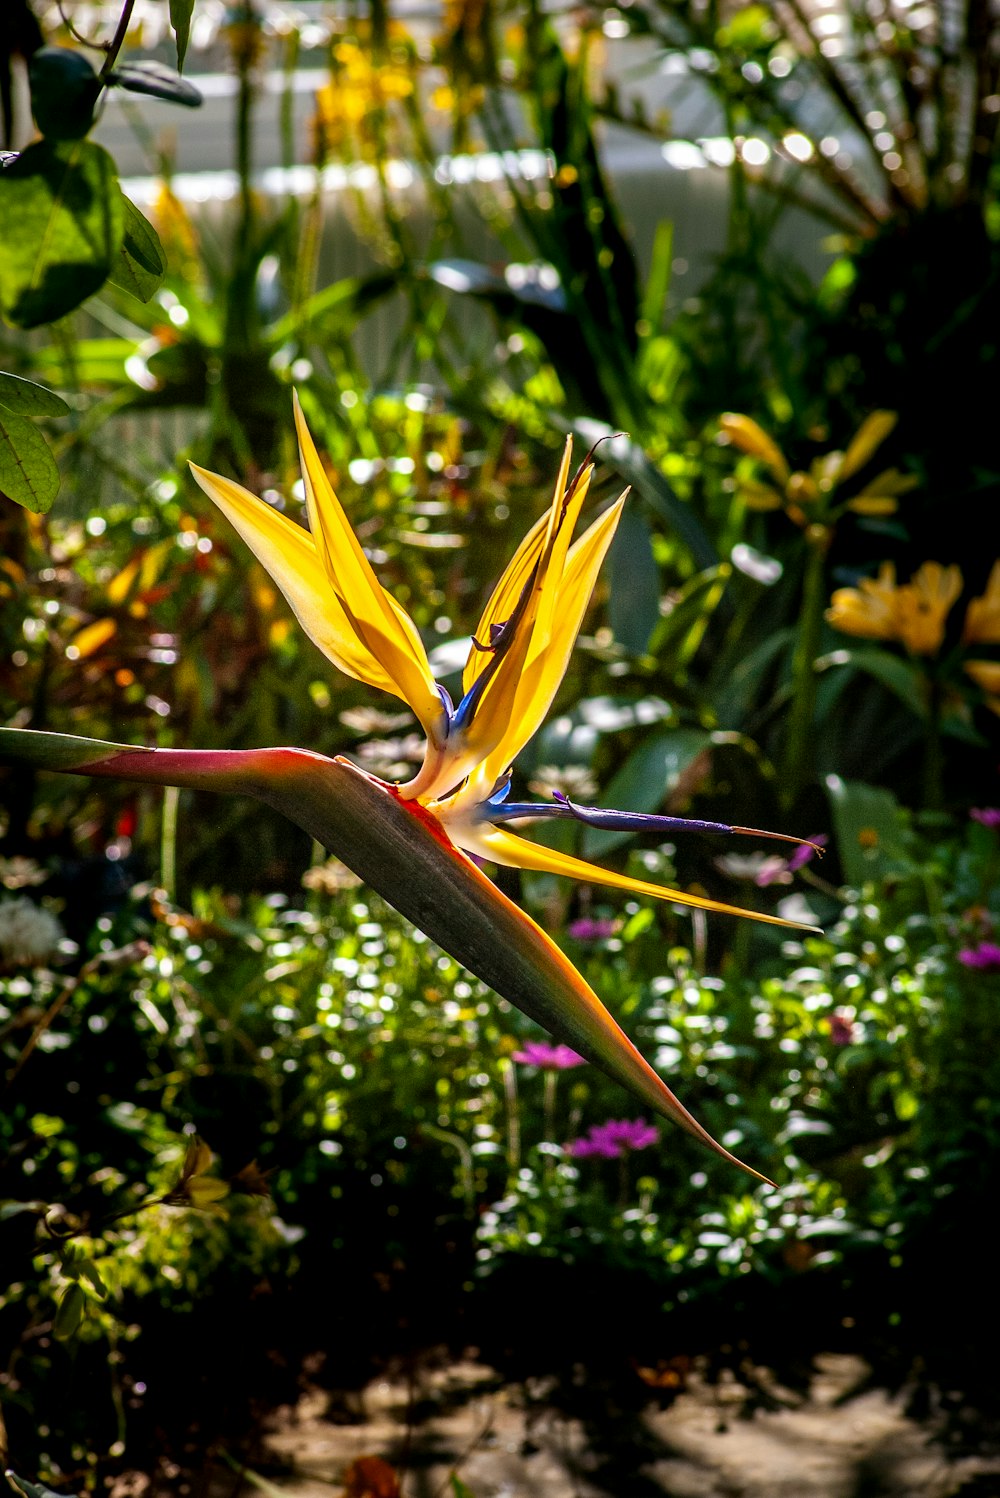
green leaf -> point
(634, 601)
(25, 398)
(94, 1278)
(631, 463)
(679, 633)
(15, 1209)
(156, 79)
(180, 20)
(869, 830)
(645, 780)
(28, 472)
(61, 226)
(31, 1489)
(70, 1313)
(899, 676)
(141, 263)
(459, 1488)
(64, 91)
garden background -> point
(255, 1131)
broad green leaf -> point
(681, 631)
(31, 1489)
(180, 20)
(95, 1279)
(869, 829)
(141, 263)
(61, 226)
(25, 398)
(157, 80)
(645, 780)
(634, 600)
(899, 676)
(28, 472)
(64, 91)
(69, 1313)
(91, 361)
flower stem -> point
(798, 748)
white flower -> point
(29, 935)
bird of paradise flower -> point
(412, 843)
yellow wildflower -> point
(923, 606)
(982, 617)
(869, 609)
(807, 497)
(194, 1187)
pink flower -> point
(547, 1057)
(615, 1138)
(586, 929)
(988, 815)
(843, 1030)
(985, 957)
(780, 870)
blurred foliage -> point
(338, 1063)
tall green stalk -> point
(797, 759)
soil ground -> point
(840, 1440)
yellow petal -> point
(516, 852)
(873, 504)
(546, 667)
(288, 553)
(535, 605)
(505, 596)
(380, 623)
(891, 481)
(867, 439)
(202, 1190)
(985, 674)
(982, 617)
(923, 606)
(744, 433)
(757, 496)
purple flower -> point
(586, 929)
(615, 1138)
(988, 815)
(547, 1057)
(780, 870)
(986, 957)
(843, 1030)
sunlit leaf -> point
(89, 640)
(141, 263)
(28, 472)
(69, 1313)
(180, 19)
(634, 599)
(61, 226)
(25, 398)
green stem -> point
(798, 749)
(168, 841)
(513, 1118)
(118, 40)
